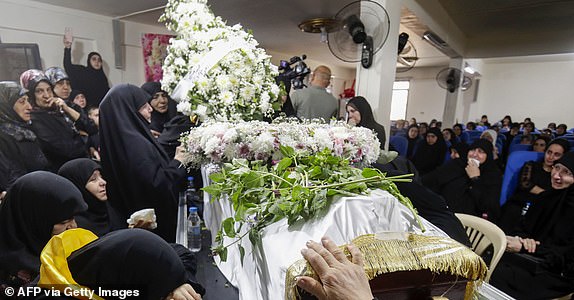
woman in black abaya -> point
(430, 152)
(539, 259)
(469, 186)
(164, 108)
(39, 204)
(138, 171)
(100, 218)
(18, 142)
(361, 114)
(90, 78)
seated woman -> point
(129, 260)
(20, 147)
(164, 108)
(533, 181)
(430, 152)
(138, 171)
(469, 186)
(53, 121)
(540, 143)
(100, 218)
(539, 260)
(361, 114)
(39, 205)
(412, 138)
(449, 136)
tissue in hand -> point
(147, 215)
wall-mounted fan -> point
(453, 78)
(407, 54)
(362, 31)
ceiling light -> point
(320, 25)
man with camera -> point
(315, 101)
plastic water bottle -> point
(192, 196)
(193, 230)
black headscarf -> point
(138, 171)
(95, 83)
(429, 157)
(129, 259)
(159, 119)
(34, 204)
(99, 218)
(367, 118)
(550, 222)
(485, 145)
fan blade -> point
(403, 61)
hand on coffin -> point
(341, 279)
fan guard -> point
(376, 21)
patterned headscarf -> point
(56, 74)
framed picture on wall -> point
(17, 58)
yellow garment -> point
(54, 271)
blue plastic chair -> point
(473, 135)
(519, 147)
(400, 143)
(514, 164)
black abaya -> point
(128, 259)
(34, 204)
(93, 82)
(138, 171)
(100, 218)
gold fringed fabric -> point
(414, 252)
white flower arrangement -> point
(216, 71)
(220, 142)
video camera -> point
(293, 75)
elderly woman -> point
(138, 171)
(53, 121)
(85, 174)
(361, 114)
(470, 186)
(539, 258)
(19, 145)
(164, 108)
(39, 205)
(534, 180)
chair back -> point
(519, 147)
(472, 136)
(514, 164)
(400, 143)
(482, 233)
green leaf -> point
(217, 177)
(369, 172)
(316, 172)
(228, 227)
(241, 253)
(284, 164)
(213, 189)
(252, 180)
(223, 254)
(287, 151)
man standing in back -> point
(315, 101)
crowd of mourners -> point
(69, 143)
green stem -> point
(346, 183)
(264, 174)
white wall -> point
(540, 87)
(24, 21)
(426, 99)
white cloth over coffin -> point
(263, 277)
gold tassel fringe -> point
(416, 252)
